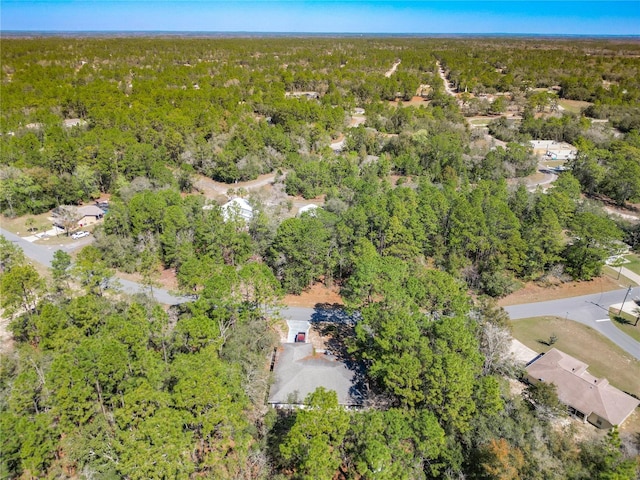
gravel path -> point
(392, 70)
(207, 185)
(447, 85)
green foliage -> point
(605, 460)
(544, 397)
(20, 287)
(112, 388)
(312, 446)
(613, 171)
(395, 444)
(302, 252)
(594, 242)
(106, 388)
(10, 255)
(60, 269)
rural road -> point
(392, 70)
(205, 184)
(43, 254)
(590, 310)
(447, 85)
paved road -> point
(43, 254)
(587, 309)
(590, 310)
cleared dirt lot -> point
(533, 292)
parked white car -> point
(78, 235)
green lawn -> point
(573, 106)
(605, 359)
(614, 272)
(20, 226)
(628, 328)
(634, 263)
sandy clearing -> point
(208, 186)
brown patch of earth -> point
(630, 211)
(533, 292)
(631, 425)
(318, 293)
(414, 102)
(218, 190)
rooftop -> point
(90, 210)
(581, 390)
(239, 206)
(299, 372)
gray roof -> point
(581, 390)
(90, 211)
(299, 372)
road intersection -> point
(590, 310)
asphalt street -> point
(43, 254)
(590, 310)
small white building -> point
(553, 150)
(308, 209)
(237, 207)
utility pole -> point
(625, 299)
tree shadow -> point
(332, 312)
(622, 320)
(284, 421)
(337, 326)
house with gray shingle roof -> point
(89, 215)
(299, 370)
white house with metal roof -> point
(237, 207)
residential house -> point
(588, 398)
(308, 209)
(237, 206)
(89, 215)
(299, 370)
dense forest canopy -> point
(423, 221)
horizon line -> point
(310, 33)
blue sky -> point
(354, 16)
